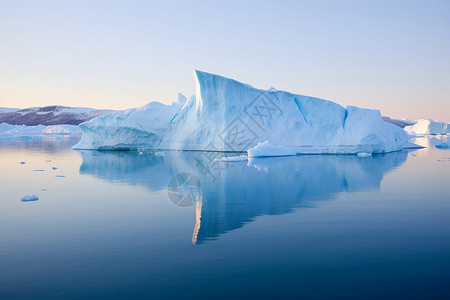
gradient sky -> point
(390, 55)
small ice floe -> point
(266, 149)
(364, 154)
(29, 198)
(38, 170)
(54, 168)
(443, 145)
(232, 158)
(159, 153)
(22, 162)
(60, 175)
(140, 153)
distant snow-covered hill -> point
(50, 115)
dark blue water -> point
(182, 225)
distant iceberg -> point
(226, 115)
(428, 126)
(8, 131)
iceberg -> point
(8, 131)
(428, 126)
(62, 129)
(136, 128)
(229, 116)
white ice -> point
(267, 149)
(364, 154)
(428, 126)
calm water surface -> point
(182, 225)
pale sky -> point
(389, 55)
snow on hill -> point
(428, 126)
(226, 115)
(50, 115)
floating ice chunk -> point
(28, 198)
(364, 154)
(445, 145)
(233, 158)
(267, 149)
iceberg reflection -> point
(233, 194)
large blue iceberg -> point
(226, 115)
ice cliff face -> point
(226, 115)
